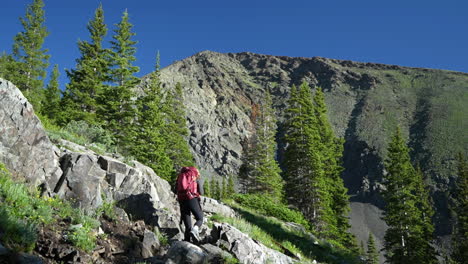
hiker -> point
(189, 201)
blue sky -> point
(416, 33)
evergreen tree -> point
(28, 69)
(260, 171)
(405, 239)
(372, 256)
(306, 181)
(230, 190)
(223, 189)
(115, 102)
(460, 252)
(176, 131)
(424, 204)
(51, 104)
(149, 145)
(88, 80)
(207, 188)
(331, 150)
(216, 189)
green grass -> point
(94, 137)
(274, 234)
(23, 211)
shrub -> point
(265, 206)
(22, 210)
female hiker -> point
(188, 196)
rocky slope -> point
(145, 202)
(366, 101)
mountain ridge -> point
(366, 102)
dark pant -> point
(186, 208)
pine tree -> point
(30, 59)
(176, 131)
(230, 190)
(149, 145)
(424, 204)
(115, 102)
(460, 252)
(88, 80)
(405, 239)
(216, 190)
(51, 104)
(331, 149)
(306, 182)
(223, 189)
(260, 171)
(372, 256)
(207, 188)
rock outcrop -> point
(25, 148)
(245, 248)
(365, 101)
(145, 201)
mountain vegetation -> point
(294, 165)
(407, 213)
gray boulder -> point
(25, 148)
(150, 244)
(185, 252)
(244, 248)
(212, 206)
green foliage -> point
(51, 104)
(230, 189)
(22, 211)
(372, 256)
(81, 238)
(148, 142)
(313, 168)
(260, 172)
(163, 239)
(30, 61)
(115, 103)
(460, 252)
(406, 240)
(216, 190)
(265, 205)
(207, 188)
(107, 209)
(88, 80)
(81, 133)
(274, 234)
(175, 130)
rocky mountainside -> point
(366, 101)
(145, 204)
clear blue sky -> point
(416, 33)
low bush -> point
(265, 206)
(23, 211)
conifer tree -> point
(405, 239)
(460, 252)
(51, 104)
(424, 204)
(260, 171)
(331, 149)
(216, 189)
(149, 145)
(306, 183)
(223, 189)
(176, 131)
(115, 101)
(91, 75)
(207, 188)
(372, 256)
(230, 190)
(30, 59)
